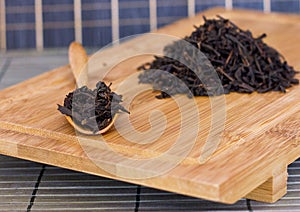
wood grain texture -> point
(260, 136)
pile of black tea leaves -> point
(242, 63)
(92, 109)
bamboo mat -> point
(28, 186)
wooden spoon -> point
(78, 60)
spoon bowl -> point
(88, 132)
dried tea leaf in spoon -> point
(91, 109)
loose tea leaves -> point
(92, 109)
(243, 63)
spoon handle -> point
(78, 62)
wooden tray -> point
(260, 136)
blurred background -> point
(39, 24)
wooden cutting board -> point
(259, 139)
